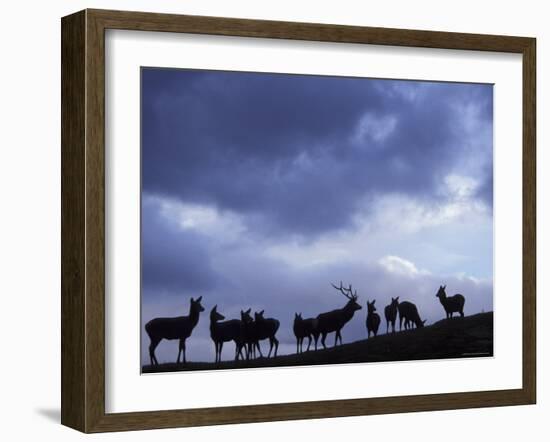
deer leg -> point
(152, 347)
(308, 342)
(323, 337)
(276, 346)
(181, 350)
(221, 348)
(238, 351)
(259, 349)
(270, 347)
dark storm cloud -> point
(285, 151)
(172, 259)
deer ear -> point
(248, 311)
(199, 299)
(373, 302)
(262, 312)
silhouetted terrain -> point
(471, 336)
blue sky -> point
(258, 190)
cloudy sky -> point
(258, 190)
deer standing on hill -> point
(226, 331)
(390, 312)
(451, 304)
(179, 327)
(373, 319)
(335, 320)
(266, 328)
(409, 313)
(249, 341)
(304, 328)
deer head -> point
(350, 295)
(259, 316)
(441, 292)
(215, 316)
(245, 316)
(370, 306)
(196, 305)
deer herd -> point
(247, 332)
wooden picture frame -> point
(83, 220)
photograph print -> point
(298, 220)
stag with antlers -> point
(335, 320)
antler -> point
(347, 292)
(353, 295)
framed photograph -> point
(269, 220)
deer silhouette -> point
(226, 331)
(335, 320)
(305, 328)
(249, 340)
(451, 304)
(373, 319)
(390, 312)
(179, 327)
(266, 328)
(409, 313)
